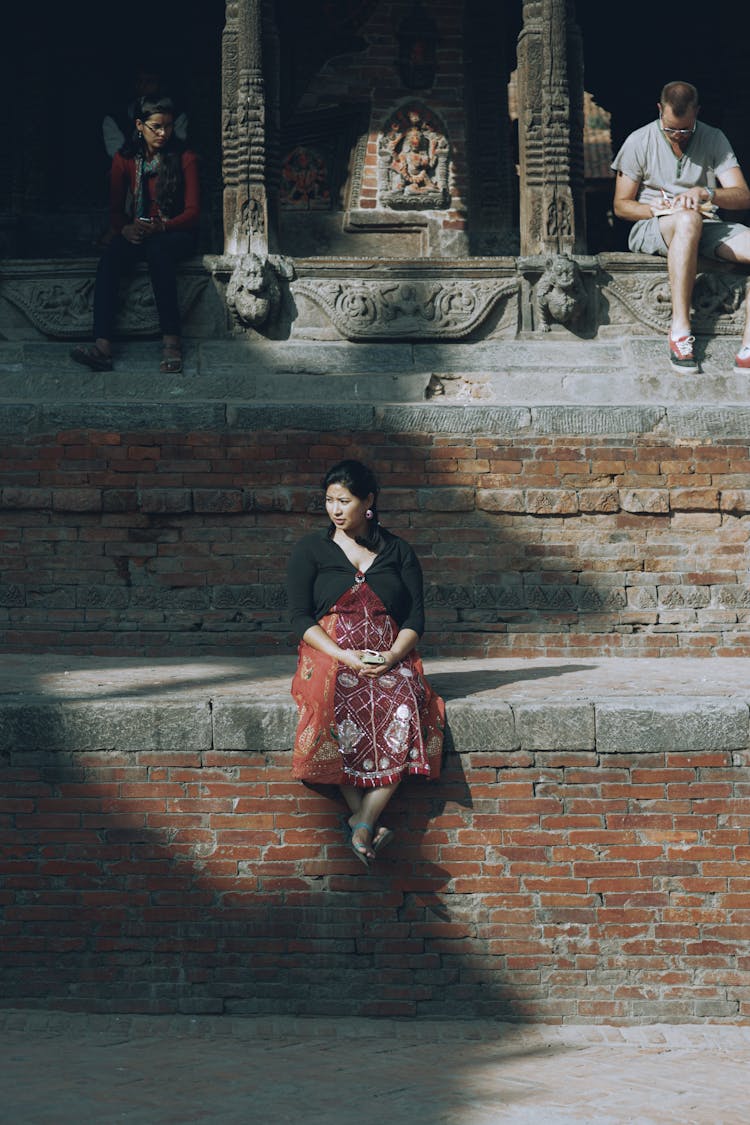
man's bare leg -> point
(737, 249)
(681, 232)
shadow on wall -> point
(210, 882)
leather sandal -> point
(171, 363)
(92, 358)
(382, 839)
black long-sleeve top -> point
(319, 572)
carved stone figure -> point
(560, 293)
(413, 157)
(253, 292)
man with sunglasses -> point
(672, 176)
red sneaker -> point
(681, 355)
(742, 362)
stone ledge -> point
(53, 298)
(409, 299)
(615, 706)
(627, 379)
(499, 421)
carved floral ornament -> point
(718, 300)
(63, 308)
(413, 161)
(401, 309)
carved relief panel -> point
(413, 161)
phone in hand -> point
(142, 219)
(369, 656)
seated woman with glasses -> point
(160, 179)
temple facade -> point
(371, 168)
(407, 252)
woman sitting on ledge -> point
(162, 179)
(367, 714)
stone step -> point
(695, 421)
(611, 705)
(540, 372)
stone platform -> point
(521, 374)
(610, 705)
(382, 299)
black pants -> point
(161, 252)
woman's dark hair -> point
(170, 183)
(360, 481)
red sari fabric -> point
(358, 731)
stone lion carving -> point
(560, 293)
(253, 292)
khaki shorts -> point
(646, 238)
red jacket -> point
(122, 184)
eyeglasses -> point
(160, 129)
(677, 132)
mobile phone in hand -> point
(371, 657)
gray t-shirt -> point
(647, 157)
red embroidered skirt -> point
(358, 731)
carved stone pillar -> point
(244, 130)
(550, 134)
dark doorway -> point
(626, 67)
(66, 66)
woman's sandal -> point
(171, 363)
(92, 358)
(382, 839)
(361, 854)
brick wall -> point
(174, 541)
(602, 884)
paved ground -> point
(76, 1069)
